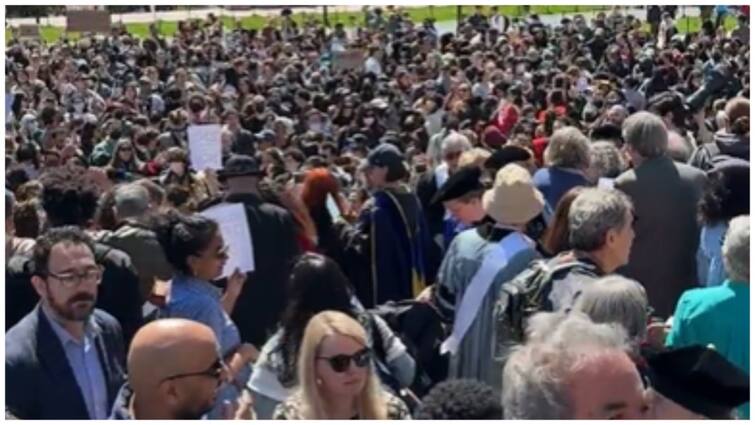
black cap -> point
(389, 156)
(240, 166)
(699, 379)
(465, 180)
(506, 155)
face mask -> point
(369, 121)
(315, 126)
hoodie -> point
(737, 146)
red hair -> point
(318, 183)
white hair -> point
(455, 142)
(568, 148)
(593, 213)
(605, 160)
(535, 376)
(736, 249)
(616, 299)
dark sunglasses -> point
(340, 362)
(214, 371)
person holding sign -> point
(200, 186)
(195, 248)
(263, 298)
(477, 263)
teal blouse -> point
(720, 316)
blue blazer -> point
(39, 382)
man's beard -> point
(68, 311)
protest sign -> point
(231, 219)
(205, 149)
(88, 21)
(348, 59)
(28, 32)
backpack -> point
(419, 327)
(525, 295)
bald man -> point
(174, 372)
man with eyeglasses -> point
(65, 359)
(175, 371)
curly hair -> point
(460, 399)
(182, 236)
(69, 196)
(726, 195)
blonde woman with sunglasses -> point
(336, 375)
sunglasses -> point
(340, 362)
(214, 371)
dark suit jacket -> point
(264, 297)
(118, 293)
(665, 196)
(434, 213)
(39, 382)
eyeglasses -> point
(214, 371)
(340, 362)
(71, 280)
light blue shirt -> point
(710, 263)
(85, 363)
(194, 299)
(197, 300)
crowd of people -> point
(517, 220)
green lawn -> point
(418, 14)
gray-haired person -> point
(567, 160)
(665, 194)
(572, 368)
(616, 299)
(718, 315)
(600, 235)
(135, 237)
(606, 161)
(429, 183)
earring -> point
(318, 381)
